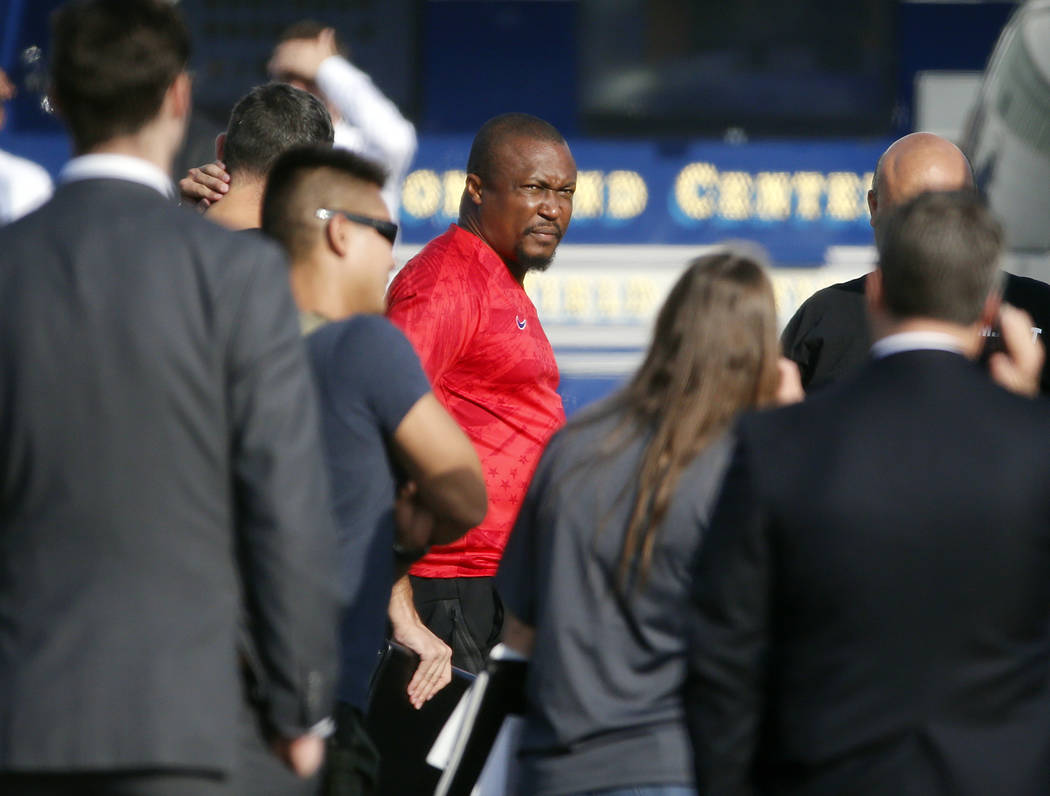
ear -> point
(181, 94)
(873, 292)
(220, 146)
(474, 188)
(873, 206)
(990, 313)
(337, 235)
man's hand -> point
(205, 185)
(1018, 367)
(435, 662)
(790, 389)
(301, 58)
(435, 665)
(303, 755)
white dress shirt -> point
(915, 341)
(117, 167)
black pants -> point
(465, 613)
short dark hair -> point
(939, 257)
(112, 62)
(498, 129)
(291, 198)
(269, 120)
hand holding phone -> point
(1014, 355)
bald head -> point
(913, 165)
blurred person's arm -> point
(285, 537)
(387, 135)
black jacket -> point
(874, 593)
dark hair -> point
(939, 256)
(498, 129)
(269, 120)
(112, 62)
(310, 29)
(714, 353)
(291, 197)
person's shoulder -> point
(359, 341)
(840, 294)
(444, 270)
(1028, 294)
(248, 249)
(365, 330)
(454, 250)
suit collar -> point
(117, 167)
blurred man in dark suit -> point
(874, 592)
(160, 466)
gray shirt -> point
(605, 679)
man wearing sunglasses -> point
(402, 473)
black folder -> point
(498, 692)
(403, 734)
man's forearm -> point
(402, 608)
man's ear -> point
(873, 292)
(181, 95)
(220, 146)
(474, 188)
(337, 235)
(990, 312)
(873, 206)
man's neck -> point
(314, 296)
(470, 224)
(241, 207)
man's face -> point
(525, 207)
(369, 258)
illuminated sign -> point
(796, 199)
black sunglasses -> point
(388, 229)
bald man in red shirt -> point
(462, 303)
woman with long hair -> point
(596, 576)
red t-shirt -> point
(490, 364)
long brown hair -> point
(714, 353)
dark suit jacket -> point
(829, 338)
(874, 593)
(159, 454)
